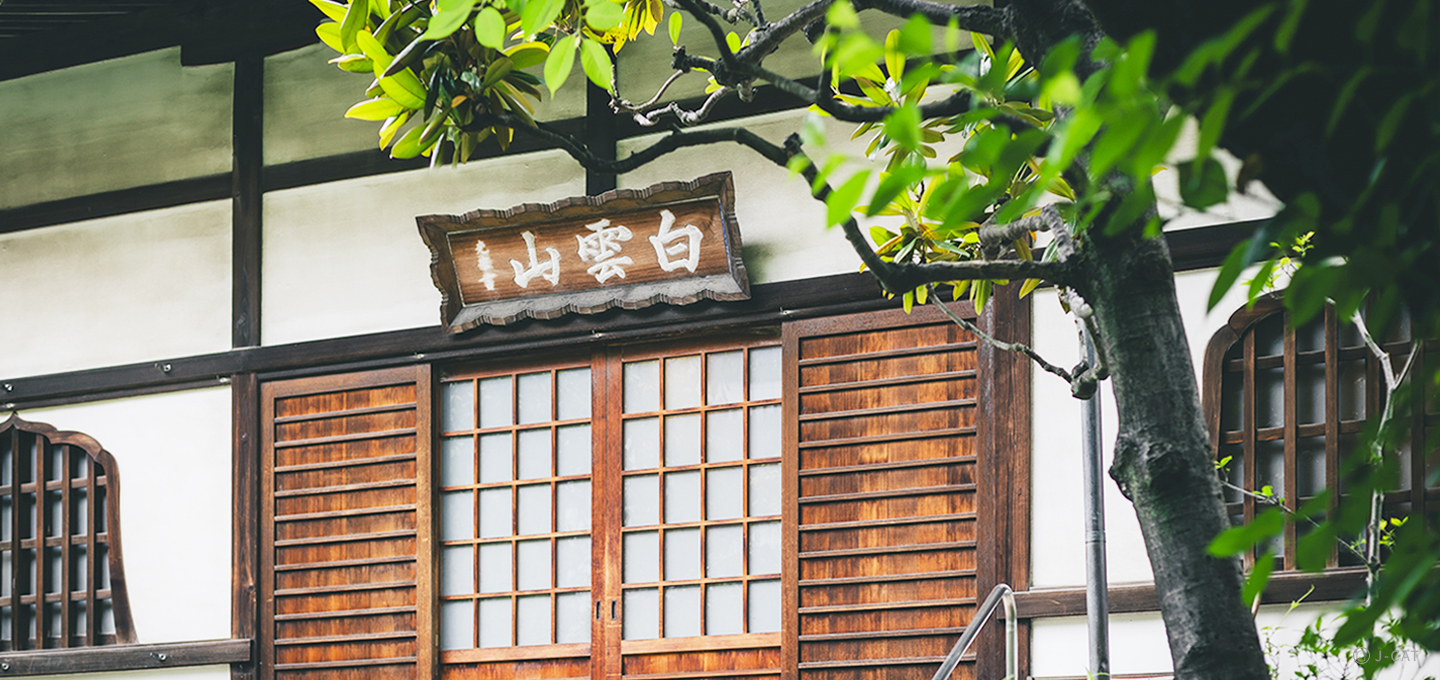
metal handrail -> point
(1001, 593)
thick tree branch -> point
(672, 142)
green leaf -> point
(675, 28)
(452, 15)
(373, 49)
(1229, 272)
(408, 146)
(1342, 101)
(842, 200)
(354, 63)
(329, 33)
(1205, 188)
(356, 17)
(1390, 124)
(891, 186)
(1286, 33)
(915, 36)
(903, 127)
(539, 14)
(334, 10)
(1029, 287)
(842, 15)
(528, 54)
(490, 28)
(1213, 122)
(391, 126)
(405, 88)
(1259, 576)
(559, 63)
(596, 62)
(1236, 540)
(732, 41)
(604, 15)
(376, 109)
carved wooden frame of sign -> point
(673, 242)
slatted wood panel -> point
(346, 532)
(881, 415)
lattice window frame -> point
(62, 602)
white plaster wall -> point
(116, 290)
(191, 673)
(115, 124)
(1059, 647)
(781, 226)
(1255, 204)
(306, 99)
(1057, 540)
(346, 258)
(173, 453)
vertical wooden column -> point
(245, 566)
(600, 134)
(247, 134)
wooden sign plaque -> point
(674, 242)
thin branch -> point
(624, 106)
(1278, 503)
(684, 116)
(1000, 344)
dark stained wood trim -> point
(245, 568)
(126, 657)
(247, 139)
(790, 503)
(769, 303)
(119, 202)
(427, 522)
(1204, 247)
(1332, 586)
(601, 126)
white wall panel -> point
(1057, 541)
(306, 99)
(173, 452)
(781, 226)
(115, 124)
(1059, 648)
(191, 673)
(117, 290)
(346, 258)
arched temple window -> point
(61, 580)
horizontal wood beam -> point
(124, 657)
(769, 303)
(1284, 588)
(119, 202)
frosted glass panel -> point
(724, 609)
(572, 506)
(573, 398)
(765, 548)
(457, 625)
(642, 615)
(496, 407)
(495, 458)
(457, 570)
(642, 387)
(641, 501)
(534, 460)
(724, 499)
(495, 622)
(682, 611)
(682, 497)
(765, 606)
(495, 571)
(724, 549)
(682, 554)
(724, 436)
(641, 557)
(765, 373)
(457, 518)
(572, 617)
(495, 508)
(573, 454)
(534, 398)
(642, 444)
(764, 490)
(457, 407)
(1352, 390)
(682, 440)
(457, 461)
(725, 378)
(533, 620)
(765, 432)
(533, 572)
(682, 382)
(535, 509)
(572, 562)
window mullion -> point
(606, 471)
(16, 502)
(1249, 479)
(1332, 420)
(1292, 487)
(65, 532)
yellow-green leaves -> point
(356, 18)
(560, 62)
(1202, 183)
(843, 199)
(391, 126)
(604, 15)
(404, 87)
(528, 54)
(903, 127)
(329, 33)
(539, 14)
(334, 10)
(675, 29)
(490, 28)
(376, 109)
(596, 62)
(450, 15)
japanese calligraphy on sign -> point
(675, 242)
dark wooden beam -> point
(111, 203)
(245, 567)
(124, 657)
(247, 137)
(1284, 588)
(769, 304)
(600, 131)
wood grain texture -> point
(347, 551)
(880, 422)
(245, 471)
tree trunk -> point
(1163, 462)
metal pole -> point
(1097, 600)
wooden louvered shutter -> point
(346, 532)
(881, 501)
